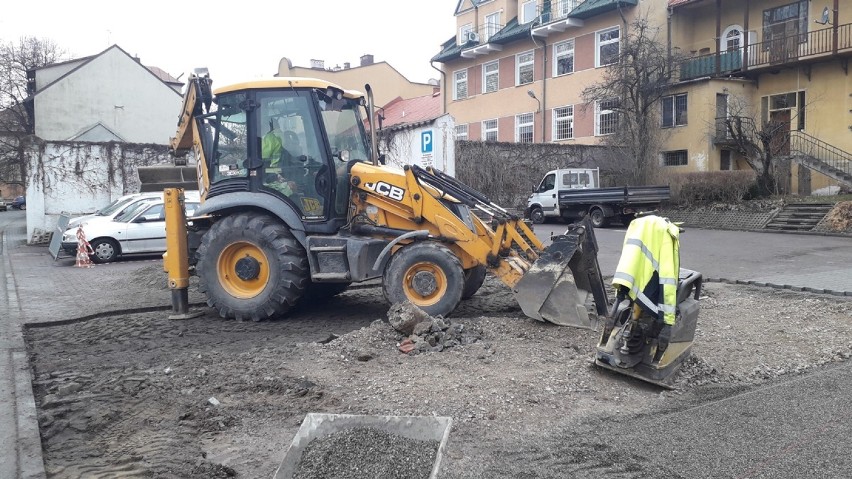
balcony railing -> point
(553, 10)
(481, 35)
(795, 48)
(775, 52)
(705, 65)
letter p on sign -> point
(426, 141)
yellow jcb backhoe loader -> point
(297, 205)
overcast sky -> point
(243, 39)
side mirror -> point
(535, 189)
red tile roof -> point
(163, 75)
(413, 110)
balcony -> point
(553, 17)
(805, 47)
(810, 47)
(478, 41)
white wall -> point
(47, 75)
(79, 178)
(406, 146)
(112, 89)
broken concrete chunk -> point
(405, 316)
(213, 401)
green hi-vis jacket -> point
(650, 264)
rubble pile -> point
(423, 333)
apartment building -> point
(516, 69)
(759, 61)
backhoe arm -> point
(196, 101)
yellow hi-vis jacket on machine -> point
(650, 265)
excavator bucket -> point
(158, 178)
(558, 287)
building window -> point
(491, 76)
(563, 123)
(725, 162)
(460, 85)
(786, 108)
(606, 47)
(563, 58)
(525, 62)
(732, 39)
(489, 130)
(675, 158)
(461, 132)
(524, 124)
(492, 25)
(528, 11)
(785, 22)
(463, 33)
(674, 110)
(606, 118)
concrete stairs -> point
(798, 217)
(825, 168)
(819, 156)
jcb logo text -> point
(384, 189)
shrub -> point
(712, 186)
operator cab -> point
(292, 138)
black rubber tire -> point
(397, 279)
(473, 279)
(106, 250)
(288, 266)
(599, 220)
(537, 215)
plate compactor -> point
(649, 330)
(630, 341)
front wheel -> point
(537, 215)
(251, 267)
(473, 279)
(426, 274)
(105, 250)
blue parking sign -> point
(426, 141)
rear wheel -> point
(473, 279)
(105, 250)
(251, 267)
(537, 215)
(599, 220)
(426, 274)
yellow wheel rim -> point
(424, 284)
(243, 270)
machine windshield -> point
(344, 128)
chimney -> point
(366, 60)
(346, 65)
(318, 64)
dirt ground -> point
(141, 396)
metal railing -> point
(482, 34)
(798, 47)
(553, 10)
(770, 53)
(806, 145)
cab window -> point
(230, 145)
(548, 183)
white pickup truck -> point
(572, 193)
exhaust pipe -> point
(374, 148)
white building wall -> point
(411, 146)
(80, 178)
(51, 73)
(112, 89)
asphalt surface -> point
(792, 428)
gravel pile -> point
(423, 333)
(366, 453)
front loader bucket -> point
(158, 178)
(558, 285)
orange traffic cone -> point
(84, 249)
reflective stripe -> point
(646, 301)
(645, 251)
(625, 277)
(667, 308)
(668, 281)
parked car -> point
(124, 203)
(3, 206)
(19, 203)
(141, 228)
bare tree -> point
(17, 123)
(631, 88)
(762, 144)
